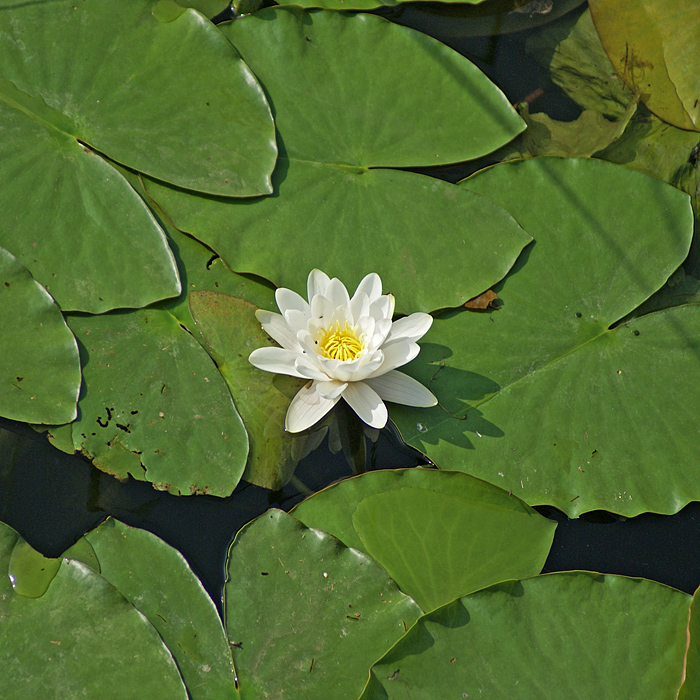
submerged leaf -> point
(653, 46)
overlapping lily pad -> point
(438, 534)
(79, 78)
(574, 635)
(335, 205)
(81, 637)
(306, 615)
(40, 368)
(653, 46)
(155, 406)
(156, 579)
(543, 396)
(231, 332)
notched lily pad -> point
(335, 202)
(155, 406)
(548, 397)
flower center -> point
(338, 344)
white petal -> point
(321, 308)
(366, 403)
(277, 360)
(278, 329)
(398, 387)
(365, 328)
(396, 355)
(381, 331)
(296, 320)
(330, 389)
(359, 306)
(410, 328)
(307, 408)
(352, 370)
(383, 307)
(371, 285)
(316, 284)
(337, 294)
(287, 299)
(309, 369)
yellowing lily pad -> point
(654, 47)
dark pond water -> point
(52, 498)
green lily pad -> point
(231, 332)
(399, 518)
(156, 579)
(653, 46)
(575, 635)
(307, 616)
(81, 638)
(155, 407)
(544, 396)
(80, 79)
(335, 203)
(81, 230)
(40, 375)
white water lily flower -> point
(348, 348)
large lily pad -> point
(575, 635)
(306, 615)
(81, 638)
(156, 579)
(545, 397)
(40, 369)
(438, 534)
(155, 405)
(334, 204)
(653, 46)
(79, 78)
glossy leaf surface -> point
(576, 635)
(306, 615)
(334, 204)
(158, 582)
(543, 397)
(40, 368)
(155, 405)
(80, 638)
(79, 79)
(438, 534)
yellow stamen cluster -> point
(338, 344)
